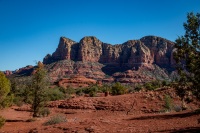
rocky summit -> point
(135, 61)
(132, 54)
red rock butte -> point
(135, 61)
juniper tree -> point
(39, 85)
(4, 89)
(187, 56)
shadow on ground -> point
(184, 130)
(166, 116)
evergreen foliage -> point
(187, 56)
(2, 121)
(39, 86)
(118, 89)
(54, 94)
(4, 89)
(5, 97)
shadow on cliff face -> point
(111, 69)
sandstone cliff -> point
(133, 54)
(133, 61)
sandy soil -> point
(139, 119)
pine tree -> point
(40, 84)
(187, 56)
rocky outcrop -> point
(7, 72)
(90, 49)
(67, 49)
(133, 54)
(25, 71)
(135, 61)
(76, 82)
(161, 50)
(69, 68)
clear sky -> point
(30, 29)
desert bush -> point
(55, 120)
(92, 94)
(149, 86)
(118, 89)
(69, 90)
(18, 101)
(138, 87)
(22, 96)
(79, 92)
(93, 90)
(105, 88)
(168, 102)
(8, 101)
(22, 90)
(153, 85)
(54, 94)
(44, 112)
(2, 121)
(165, 83)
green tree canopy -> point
(187, 56)
(4, 88)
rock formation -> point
(133, 54)
(130, 62)
(134, 61)
(76, 82)
(7, 72)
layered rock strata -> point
(132, 54)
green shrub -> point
(69, 90)
(8, 101)
(92, 93)
(79, 92)
(168, 102)
(106, 88)
(138, 87)
(165, 83)
(44, 112)
(18, 101)
(91, 90)
(118, 89)
(54, 94)
(153, 85)
(2, 121)
(149, 86)
(55, 120)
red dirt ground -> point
(145, 116)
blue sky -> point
(29, 29)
